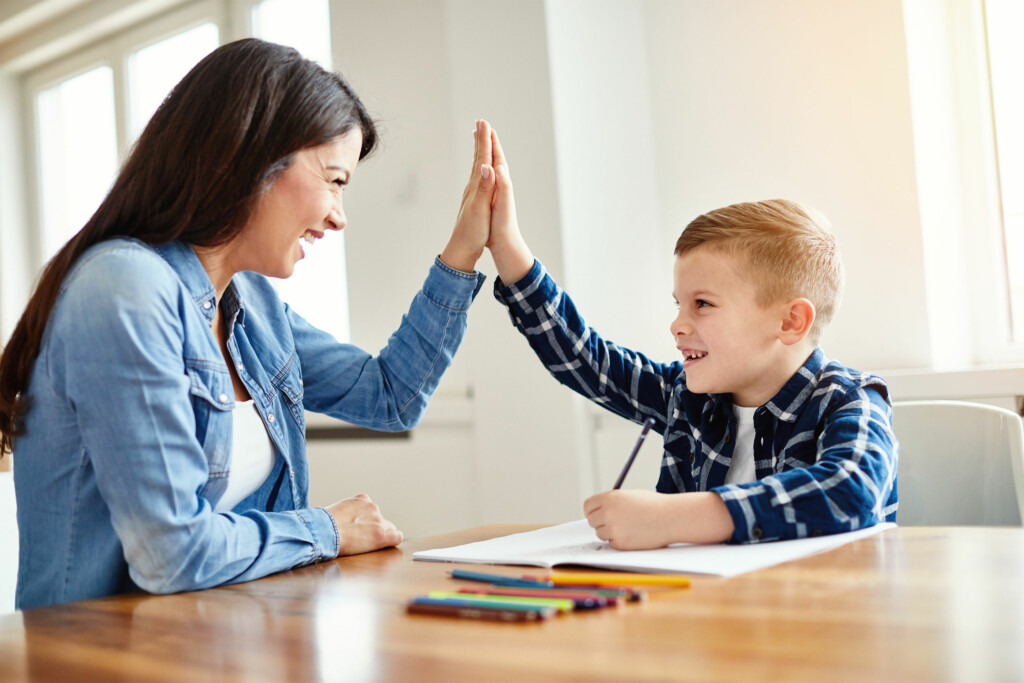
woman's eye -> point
(340, 183)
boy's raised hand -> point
(511, 255)
(472, 227)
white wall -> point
(809, 101)
(429, 69)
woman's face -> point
(299, 208)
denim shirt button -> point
(241, 367)
(270, 417)
(207, 305)
(223, 398)
(291, 473)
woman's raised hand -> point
(509, 250)
(472, 227)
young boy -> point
(764, 437)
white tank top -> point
(742, 468)
(252, 455)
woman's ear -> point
(797, 319)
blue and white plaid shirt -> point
(824, 450)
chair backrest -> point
(8, 542)
(960, 463)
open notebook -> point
(575, 543)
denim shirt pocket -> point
(213, 398)
(289, 383)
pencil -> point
(648, 423)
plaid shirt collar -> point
(795, 394)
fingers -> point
(484, 164)
(498, 154)
(482, 148)
(481, 157)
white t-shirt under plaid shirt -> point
(824, 450)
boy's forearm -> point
(512, 257)
(699, 517)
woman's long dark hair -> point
(219, 139)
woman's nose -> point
(336, 219)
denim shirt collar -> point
(183, 259)
(795, 393)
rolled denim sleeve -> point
(389, 391)
(117, 357)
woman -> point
(155, 386)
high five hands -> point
(487, 215)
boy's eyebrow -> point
(700, 293)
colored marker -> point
(631, 594)
(510, 615)
(467, 601)
(562, 605)
(500, 580)
(648, 423)
(617, 579)
(581, 599)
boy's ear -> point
(797, 317)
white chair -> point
(960, 464)
(8, 542)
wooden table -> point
(909, 604)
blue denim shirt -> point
(128, 441)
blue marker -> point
(499, 580)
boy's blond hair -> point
(787, 248)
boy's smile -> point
(729, 342)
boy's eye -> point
(701, 303)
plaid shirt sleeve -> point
(851, 486)
(623, 381)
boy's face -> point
(729, 342)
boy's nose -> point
(680, 326)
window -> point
(77, 153)
(1004, 21)
(89, 107)
(155, 69)
(963, 67)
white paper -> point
(576, 543)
